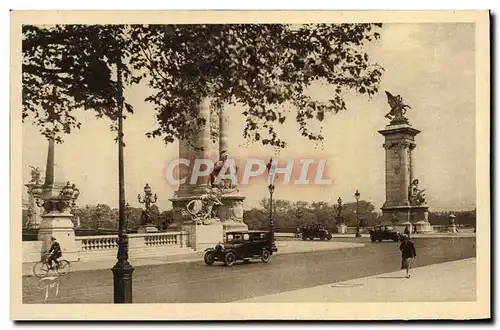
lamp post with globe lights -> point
(271, 173)
(356, 195)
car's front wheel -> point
(266, 256)
(209, 258)
(229, 258)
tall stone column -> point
(399, 175)
(56, 221)
(198, 146)
(195, 147)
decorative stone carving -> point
(201, 208)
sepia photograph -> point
(224, 165)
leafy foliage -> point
(71, 67)
(266, 68)
(288, 215)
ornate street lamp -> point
(271, 171)
(357, 194)
(128, 213)
(149, 199)
(122, 270)
(340, 207)
(98, 214)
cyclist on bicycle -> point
(55, 252)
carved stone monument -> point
(57, 200)
(404, 199)
(209, 206)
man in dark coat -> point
(55, 252)
(408, 254)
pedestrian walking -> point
(408, 254)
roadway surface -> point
(194, 282)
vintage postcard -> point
(246, 165)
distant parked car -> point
(380, 233)
(242, 245)
(315, 232)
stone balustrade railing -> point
(106, 246)
(151, 244)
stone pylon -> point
(401, 187)
(56, 221)
(196, 147)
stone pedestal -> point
(231, 213)
(341, 228)
(410, 215)
(147, 229)
(423, 227)
(201, 237)
(400, 227)
(60, 226)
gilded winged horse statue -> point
(398, 108)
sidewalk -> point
(449, 281)
(284, 247)
(413, 236)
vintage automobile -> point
(242, 245)
(380, 233)
(315, 232)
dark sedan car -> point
(380, 233)
(312, 233)
(244, 245)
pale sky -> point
(432, 66)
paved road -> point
(194, 282)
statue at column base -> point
(201, 208)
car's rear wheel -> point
(311, 238)
(304, 238)
(229, 258)
(209, 258)
(266, 256)
(373, 240)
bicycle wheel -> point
(40, 269)
(64, 267)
